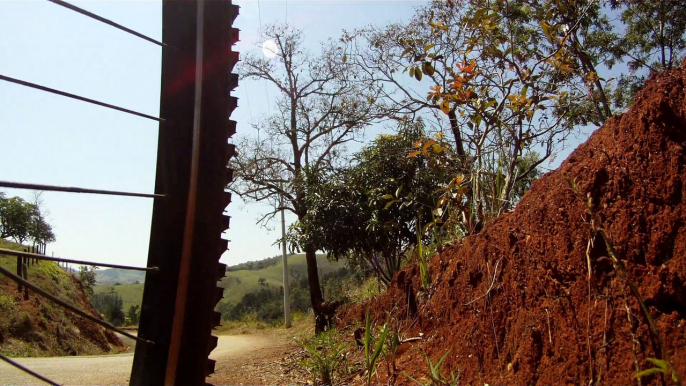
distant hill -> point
(240, 279)
(112, 276)
(238, 283)
(131, 294)
(39, 327)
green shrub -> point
(7, 303)
(369, 288)
(21, 325)
(326, 355)
(52, 271)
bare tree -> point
(320, 108)
(40, 231)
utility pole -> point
(286, 290)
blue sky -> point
(50, 139)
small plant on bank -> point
(326, 355)
(423, 256)
(390, 350)
(372, 349)
(661, 367)
(435, 375)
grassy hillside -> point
(38, 327)
(237, 283)
(8, 262)
(112, 276)
(131, 294)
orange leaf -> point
(457, 84)
(470, 69)
(427, 144)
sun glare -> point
(269, 49)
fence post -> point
(26, 276)
(19, 271)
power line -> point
(247, 98)
(266, 89)
(259, 13)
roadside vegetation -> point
(38, 327)
(253, 292)
(264, 308)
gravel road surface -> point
(115, 369)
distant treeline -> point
(255, 265)
(111, 306)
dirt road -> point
(115, 369)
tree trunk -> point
(316, 298)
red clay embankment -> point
(512, 303)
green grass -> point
(234, 291)
(131, 294)
(236, 283)
(9, 262)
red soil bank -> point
(512, 303)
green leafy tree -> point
(87, 276)
(40, 231)
(653, 39)
(22, 220)
(368, 213)
(111, 306)
(17, 217)
(134, 313)
(392, 201)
